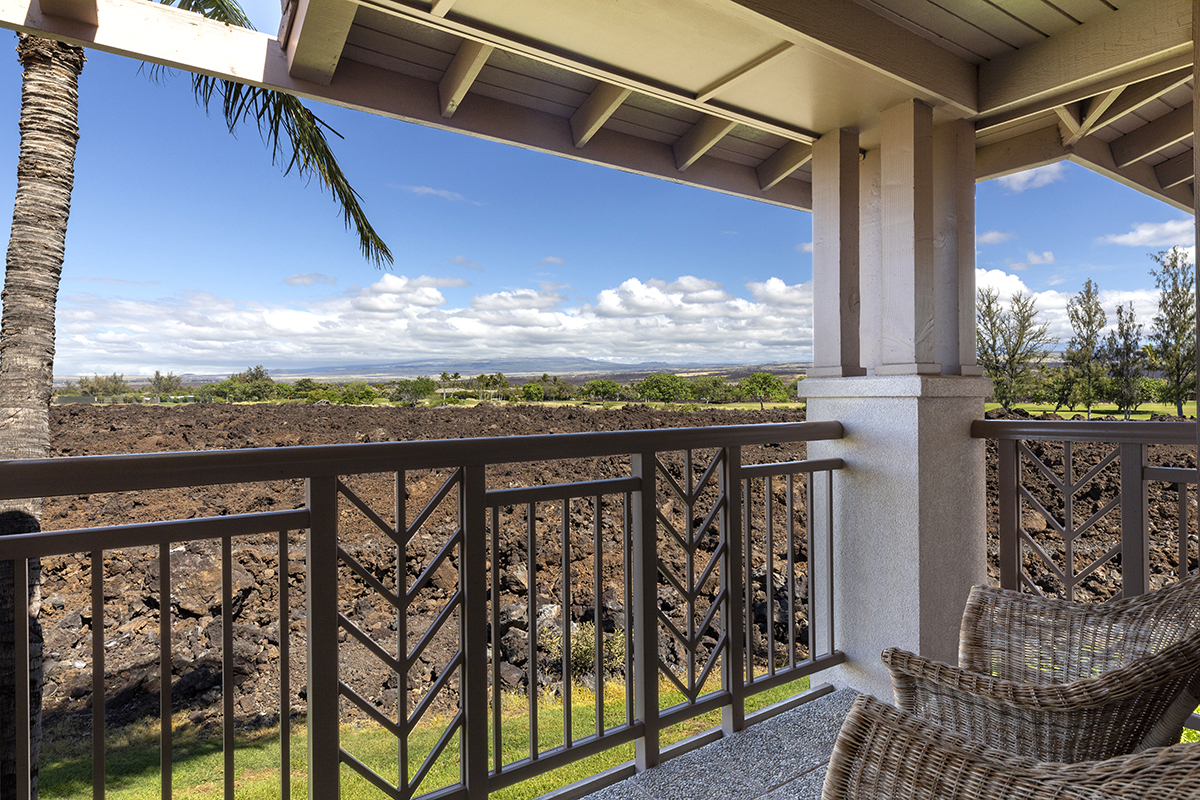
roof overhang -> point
(722, 94)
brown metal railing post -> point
(324, 747)
(1135, 522)
(1009, 479)
(474, 641)
(645, 610)
(733, 716)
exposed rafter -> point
(699, 139)
(441, 8)
(743, 72)
(854, 32)
(1171, 128)
(1175, 171)
(461, 73)
(1139, 94)
(783, 162)
(601, 104)
(78, 10)
(1142, 33)
(317, 34)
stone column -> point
(908, 511)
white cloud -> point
(445, 194)
(993, 237)
(1052, 303)
(463, 261)
(1033, 178)
(549, 261)
(308, 279)
(1031, 259)
(399, 318)
(1175, 232)
(804, 247)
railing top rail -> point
(1177, 433)
(91, 474)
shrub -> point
(583, 649)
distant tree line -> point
(256, 385)
(1115, 363)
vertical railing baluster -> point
(401, 528)
(1135, 522)
(24, 765)
(228, 726)
(808, 568)
(689, 569)
(285, 675)
(497, 718)
(733, 716)
(1069, 520)
(627, 554)
(747, 571)
(97, 675)
(324, 749)
(597, 617)
(645, 601)
(164, 666)
(531, 624)
(1181, 491)
(769, 573)
(565, 617)
(473, 681)
(790, 539)
(829, 574)
(1009, 478)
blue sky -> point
(188, 251)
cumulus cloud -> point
(804, 247)
(399, 318)
(445, 194)
(1052, 304)
(308, 279)
(1175, 232)
(1032, 259)
(993, 237)
(1034, 178)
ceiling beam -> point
(601, 104)
(1171, 128)
(78, 10)
(1142, 33)
(1069, 116)
(846, 28)
(317, 34)
(1094, 154)
(740, 74)
(1139, 94)
(441, 8)
(783, 162)
(461, 73)
(171, 37)
(1177, 170)
(699, 139)
(1035, 149)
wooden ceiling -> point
(724, 94)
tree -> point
(712, 389)
(255, 373)
(762, 386)
(602, 389)
(1125, 358)
(664, 388)
(533, 392)
(1083, 351)
(165, 385)
(412, 391)
(1011, 344)
(1174, 332)
(45, 178)
(104, 386)
(1058, 387)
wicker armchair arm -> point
(1115, 713)
(883, 754)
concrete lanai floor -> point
(783, 758)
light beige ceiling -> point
(725, 94)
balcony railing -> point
(713, 561)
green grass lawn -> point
(1099, 411)
(133, 763)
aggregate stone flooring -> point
(782, 758)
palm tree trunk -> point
(45, 176)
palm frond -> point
(285, 123)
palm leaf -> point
(284, 124)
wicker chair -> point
(885, 754)
(1055, 680)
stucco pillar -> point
(909, 528)
(908, 510)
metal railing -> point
(712, 585)
(1078, 505)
